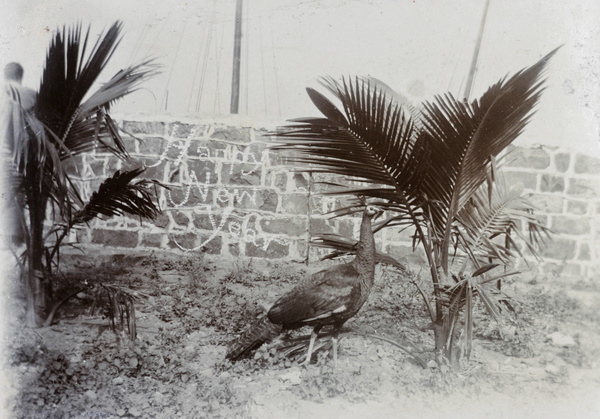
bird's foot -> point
(304, 363)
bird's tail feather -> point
(262, 331)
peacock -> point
(328, 297)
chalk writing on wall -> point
(226, 201)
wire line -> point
(166, 95)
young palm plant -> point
(435, 170)
(70, 118)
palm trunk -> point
(38, 286)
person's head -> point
(13, 72)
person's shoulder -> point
(24, 95)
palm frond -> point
(399, 98)
(371, 141)
(464, 137)
(67, 106)
(117, 195)
(69, 74)
(493, 213)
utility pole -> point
(237, 50)
(471, 78)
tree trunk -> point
(444, 345)
(37, 284)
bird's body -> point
(328, 297)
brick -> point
(203, 221)
(152, 146)
(122, 221)
(560, 248)
(573, 270)
(583, 252)
(594, 273)
(570, 225)
(320, 225)
(176, 149)
(154, 172)
(161, 221)
(207, 149)
(564, 269)
(317, 205)
(251, 153)
(552, 184)
(294, 204)
(583, 188)
(534, 158)
(187, 241)
(279, 158)
(96, 167)
(543, 220)
(180, 197)
(180, 218)
(180, 130)
(300, 180)
(130, 144)
(74, 164)
(220, 134)
(247, 198)
(529, 180)
(298, 250)
(561, 162)
(277, 180)
(152, 240)
(587, 164)
(200, 197)
(264, 199)
(113, 163)
(83, 235)
(252, 224)
(577, 207)
(212, 247)
(346, 227)
(275, 250)
(116, 238)
(241, 174)
(241, 135)
(135, 127)
(205, 171)
(551, 204)
(290, 226)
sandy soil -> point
(188, 308)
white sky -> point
(418, 47)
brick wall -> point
(230, 196)
(565, 187)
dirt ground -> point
(188, 309)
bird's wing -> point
(327, 292)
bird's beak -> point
(379, 214)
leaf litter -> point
(80, 368)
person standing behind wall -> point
(13, 78)
(15, 95)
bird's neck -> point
(365, 254)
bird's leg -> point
(313, 338)
(334, 341)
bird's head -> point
(373, 211)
